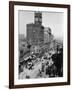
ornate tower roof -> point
(38, 17)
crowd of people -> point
(51, 64)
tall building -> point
(35, 31)
(48, 37)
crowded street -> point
(43, 67)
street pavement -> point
(31, 73)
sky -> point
(53, 20)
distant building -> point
(35, 31)
(48, 37)
(56, 45)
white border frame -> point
(42, 80)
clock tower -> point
(38, 18)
